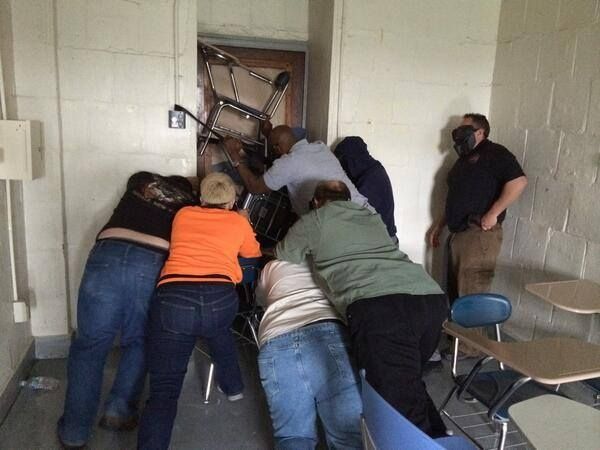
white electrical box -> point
(20, 150)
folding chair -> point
(270, 214)
(497, 390)
(384, 428)
(212, 55)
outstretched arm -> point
(510, 193)
(254, 184)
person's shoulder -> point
(496, 149)
(188, 210)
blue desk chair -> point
(250, 272)
(497, 390)
(384, 428)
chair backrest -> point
(387, 428)
(480, 310)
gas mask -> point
(464, 140)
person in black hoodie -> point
(369, 177)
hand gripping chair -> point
(384, 428)
(499, 389)
(250, 317)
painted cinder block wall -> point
(408, 71)
(264, 19)
(100, 78)
(545, 107)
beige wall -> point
(100, 77)
(324, 19)
(408, 70)
(15, 339)
(545, 108)
(269, 19)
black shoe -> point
(118, 423)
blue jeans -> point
(180, 313)
(114, 297)
(305, 373)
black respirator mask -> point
(464, 140)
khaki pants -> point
(472, 262)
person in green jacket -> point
(394, 309)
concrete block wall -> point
(268, 19)
(544, 107)
(100, 75)
(35, 94)
(408, 71)
(15, 338)
(324, 20)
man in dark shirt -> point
(483, 182)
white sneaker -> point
(436, 356)
(235, 397)
(232, 397)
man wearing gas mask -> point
(483, 182)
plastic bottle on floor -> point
(41, 383)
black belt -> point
(318, 322)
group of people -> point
(339, 295)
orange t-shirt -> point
(205, 244)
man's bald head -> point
(282, 139)
(330, 191)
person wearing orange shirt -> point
(196, 297)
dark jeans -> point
(179, 314)
(114, 298)
(393, 336)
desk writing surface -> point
(551, 361)
(579, 296)
(551, 422)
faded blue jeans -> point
(114, 297)
(180, 313)
(308, 372)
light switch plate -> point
(176, 119)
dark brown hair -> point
(330, 191)
(480, 121)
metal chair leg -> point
(209, 383)
(252, 330)
(506, 395)
(455, 358)
(503, 432)
(474, 371)
(213, 117)
(447, 399)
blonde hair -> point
(217, 189)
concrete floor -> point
(220, 425)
